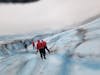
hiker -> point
(33, 44)
(25, 46)
(45, 46)
(41, 49)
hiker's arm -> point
(47, 49)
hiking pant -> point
(42, 53)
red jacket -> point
(39, 45)
(44, 43)
(33, 43)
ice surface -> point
(74, 52)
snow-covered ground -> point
(74, 52)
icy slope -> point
(84, 35)
(74, 52)
(82, 46)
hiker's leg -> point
(44, 53)
(41, 55)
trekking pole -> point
(51, 51)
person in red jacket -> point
(45, 46)
(33, 44)
(41, 49)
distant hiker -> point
(45, 46)
(25, 46)
(33, 44)
(41, 49)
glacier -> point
(74, 52)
